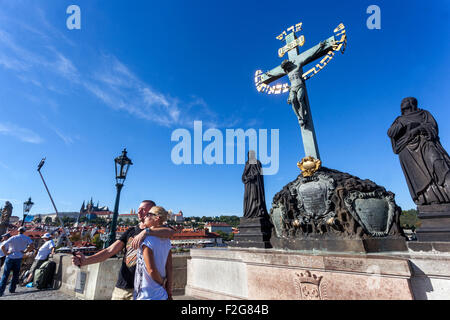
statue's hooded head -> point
(252, 157)
(408, 105)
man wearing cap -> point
(44, 252)
(4, 237)
(14, 248)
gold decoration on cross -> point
(299, 42)
(309, 165)
(295, 28)
(339, 45)
(276, 89)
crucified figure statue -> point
(297, 92)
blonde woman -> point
(153, 279)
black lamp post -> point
(26, 208)
(122, 164)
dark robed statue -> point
(254, 197)
(425, 163)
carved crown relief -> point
(310, 286)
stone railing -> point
(97, 281)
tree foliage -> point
(225, 236)
(409, 219)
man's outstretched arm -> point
(80, 259)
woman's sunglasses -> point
(151, 214)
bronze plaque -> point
(313, 196)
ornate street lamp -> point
(26, 209)
(122, 165)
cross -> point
(293, 67)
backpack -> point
(43, 277)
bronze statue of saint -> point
(425, 163)
(254, 196)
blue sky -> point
(138, 70)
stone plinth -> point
(100, 278)
(428, 247)
(253, 233)
(275, 274)
(430, 267)
(431, 276)
(435, 221)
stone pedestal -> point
(253, 233)
(435, 225)
(268, 274)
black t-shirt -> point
(128, 268)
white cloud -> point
(66, 68)
(23, 134)
(67, 140)
(4, 166)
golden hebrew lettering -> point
(312, 70)
(301, 41)
(339, 27)
(342, 38)
(281, 52)
(327, 58)
(278, 89)
(338, 47)
(319, 66)
(283, 34)
(342, 32)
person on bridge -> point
(130, 241)
(14, 249)
(44, 252)
(4, 237)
